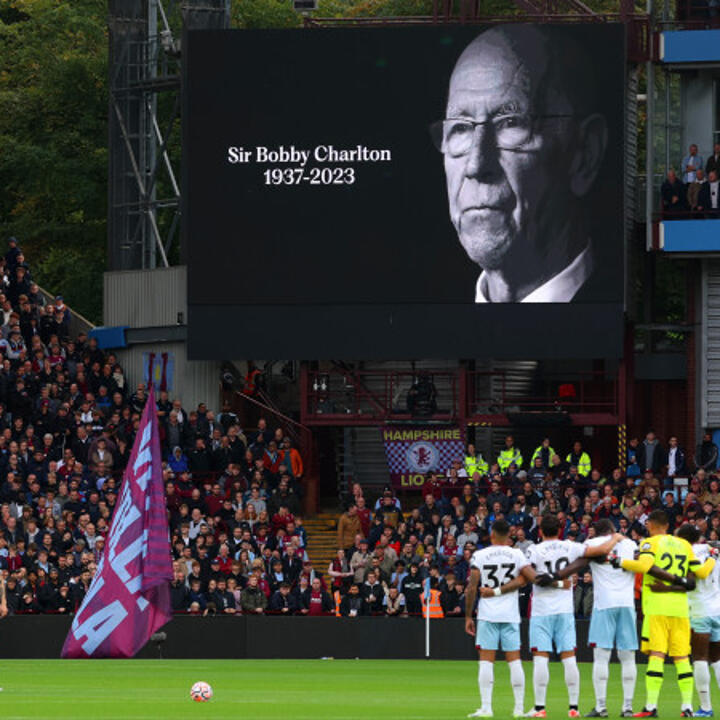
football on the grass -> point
(201, 692)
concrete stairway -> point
(322, 539)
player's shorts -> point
(707, 626)
(667, 635)
(614, 627)
(546, 629)
(493, 636)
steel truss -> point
(144, 113)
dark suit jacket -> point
(713, 163)
(704, 200)
(669, 190)
(658, 460)
(680, 462)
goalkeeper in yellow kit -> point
(666, 625)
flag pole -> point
(427, 617)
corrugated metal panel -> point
(145, 298)
(711, 355)
(194, 382)
(630, 194)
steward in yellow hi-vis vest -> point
(545, 452)
(474, 463)
(509, 455)
(580, 459)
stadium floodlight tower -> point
(144, 109)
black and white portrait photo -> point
(523, 138)
(405, 191)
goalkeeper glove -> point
(614, 559)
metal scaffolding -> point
(144, 138)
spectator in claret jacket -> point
(339, 571)
(214, 501)
(364, 515)
(315, 601)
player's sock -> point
(486, 680)
(701, 671)
(541, 678)
(653, 681)
(716, 669)
(685, 681)
(601, 672)
(572, 680)
(517, 680)
(629, 675)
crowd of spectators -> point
(388, 547)
(68, 420)
(695, 190)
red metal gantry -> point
(344, 397)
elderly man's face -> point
(503, 196)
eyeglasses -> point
(454, 136)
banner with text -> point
(129, 597)
(414, 451)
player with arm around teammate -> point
(500, 570)
(613, 622)
(704, 607)
(552, 620)
(666, 625)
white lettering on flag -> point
(98, 626)
(129, 597)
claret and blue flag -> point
(129, 598)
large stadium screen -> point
(405, 192)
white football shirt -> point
(547, 557)
(704, 601)
(613, 587)
(498, 565)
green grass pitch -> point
(286, 689)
